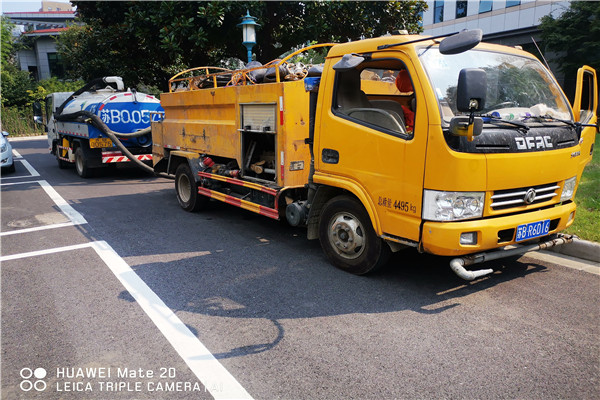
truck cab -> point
(423, 183)
(52, 102)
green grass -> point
(587, 198)
(19, 122)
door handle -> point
(330, 156)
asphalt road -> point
(109, 277)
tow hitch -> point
(458, 264)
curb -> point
(26, 138)
(581, 249)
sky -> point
(19, 5)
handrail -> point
(295, 53)
(197, 68)
(240, 73)
(207, 73)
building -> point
(41, 58)
(508, 22)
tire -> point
(348, 238)
(81, 164)
(186, 189)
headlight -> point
(4, 147)
(568, 189)
(452, 206)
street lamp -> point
(248, 33)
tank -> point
(122, 111)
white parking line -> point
(217, 380)
(44, 252)
(69, 211)
(74, 217)
(29, 168)
(37, 228)
(213, 375)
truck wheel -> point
(348, 239)
(81, 164)
(187, 189)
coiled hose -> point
(86, 116)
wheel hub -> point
(346, 235)
(185, 188)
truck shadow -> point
(244, 266)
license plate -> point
(100, 142)
(532, 230)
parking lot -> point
(110, 290)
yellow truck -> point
(446, 144)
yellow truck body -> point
(370, 178)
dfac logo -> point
(38, 384)
(534, 142)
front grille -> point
(504, 199)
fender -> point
(357, 190)
(179, 154)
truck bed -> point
(256, 126)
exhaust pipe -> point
(458, 264)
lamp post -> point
(248, 32)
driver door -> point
(374, 135)
(584, 109)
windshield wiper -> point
(552, 119)
(494, 119)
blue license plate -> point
(532, 230)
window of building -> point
(512, 3)
(438, 11)
(485, 6)
(33, 71)
(55, 65)
(461, 9)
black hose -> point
(97, 122)
(85, 88)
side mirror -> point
(462, 126)
(37, 109)
(462, 41)
(348, 62)
(470, 97)
(5, 134)
(37, 113)
(471, 90)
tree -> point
(147, 42)
(15, 82)
(575, 36)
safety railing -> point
(213, 77)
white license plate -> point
(532, 230)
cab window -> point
(586, 111)
(379, 95)
(48, 108)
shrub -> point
(18, 121)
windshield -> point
(518, 88)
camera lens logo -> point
(33, 379)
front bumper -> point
(443, 238)
(6, 160)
